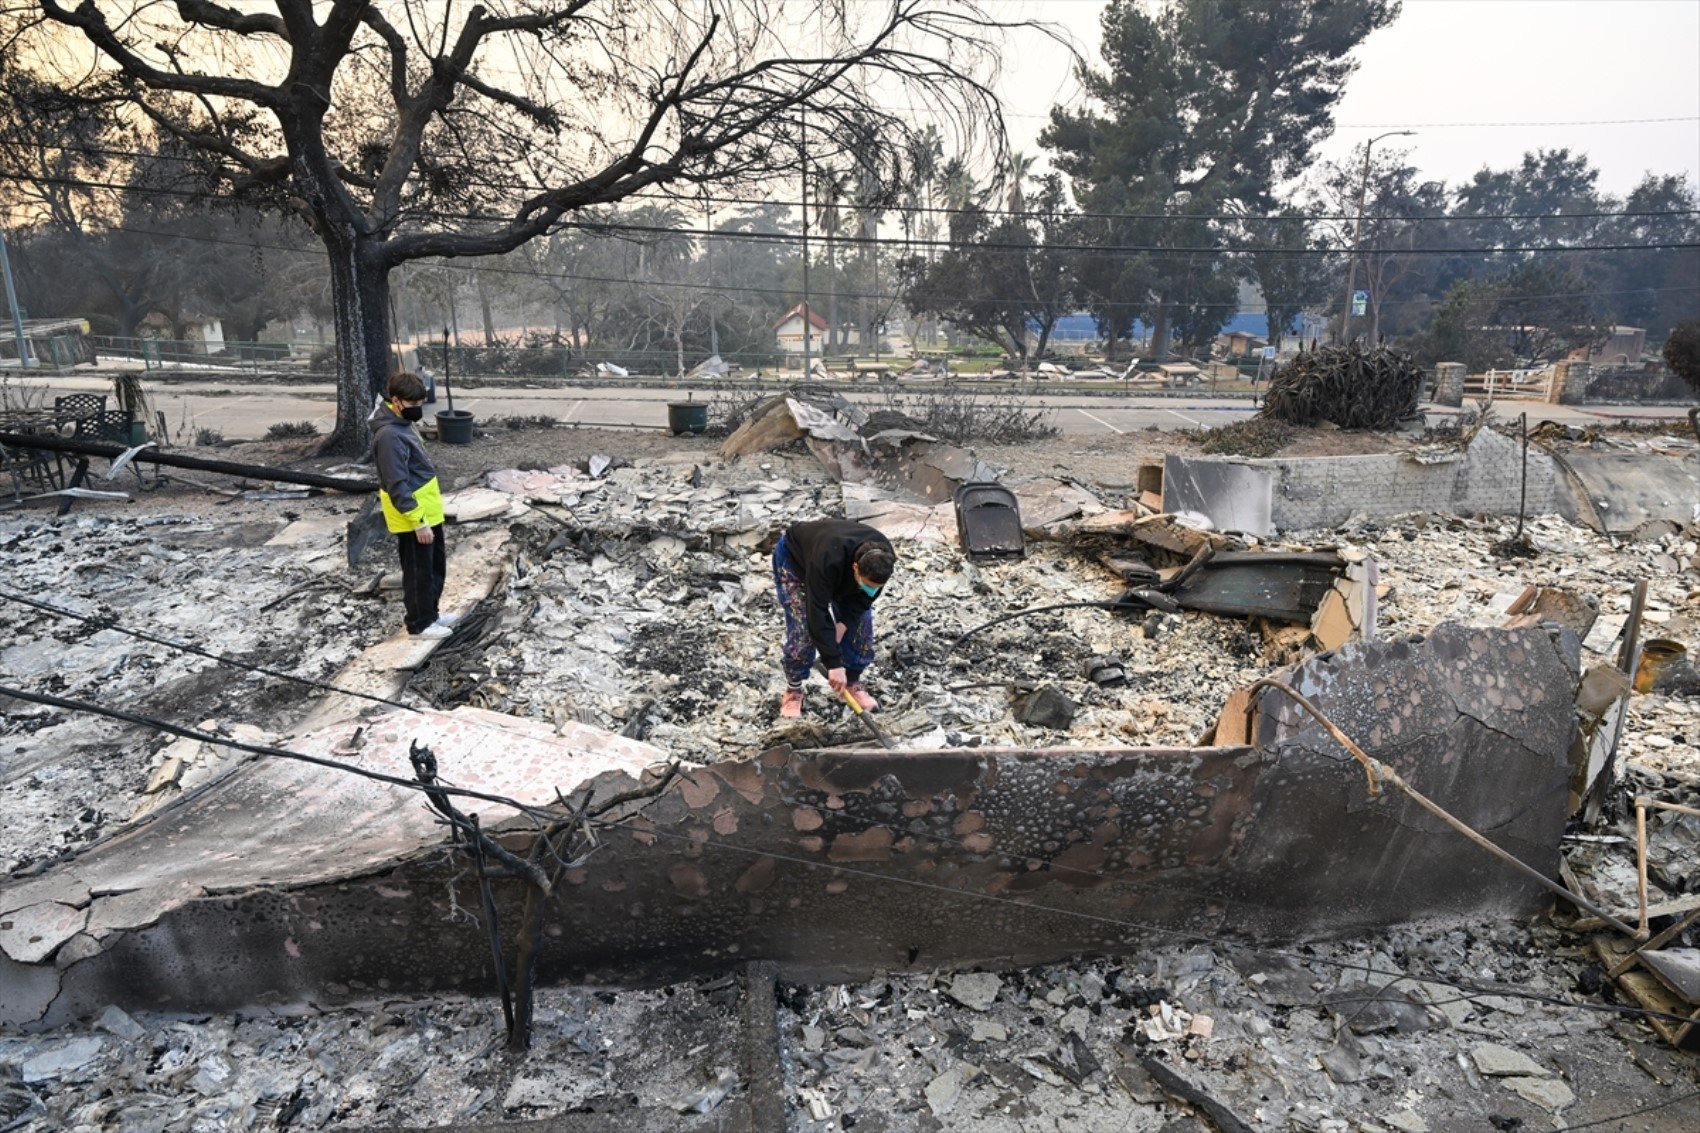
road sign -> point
(1360, 302)
(1269, 352)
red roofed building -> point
(789, 330)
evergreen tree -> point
(1202, 105)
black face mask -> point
(413, 412)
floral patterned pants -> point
(799, 654)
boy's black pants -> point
(423, 569)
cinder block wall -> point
(1319, 492)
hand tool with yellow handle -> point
(879, 733)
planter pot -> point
(454, 427)
(1658, 656)
(687, 417)
(137, 434)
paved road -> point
(241, 411)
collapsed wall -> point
(1612, 492)
(1315, 493)
(280, 884)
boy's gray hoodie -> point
(403, 467)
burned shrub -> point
(1260, 436)
(1346, 386)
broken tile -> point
(1548, 1093)
(974, 990)
(62, 1060)
(1497, 1061)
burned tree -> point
(401, 129)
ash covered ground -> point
(645, 604)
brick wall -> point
(1320, 492)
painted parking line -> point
(1101, 421)
(573, 412)
(215, 407)
(1189, 420)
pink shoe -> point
(791, 708)
(864, 699)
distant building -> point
(1237, 342)
(202, 334)
(789, 330)
(60, 343)
(1622, 348)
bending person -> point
(828, 573)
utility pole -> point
(708, 255)
(25, 362)
(808, 346)
(1358, 235)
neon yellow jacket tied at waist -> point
(408, 488)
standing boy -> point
(413, 504)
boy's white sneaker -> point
(436, 631)
(448, 619)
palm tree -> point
(831, 187)
(925, 152)
(659, 249)
(1020, 165)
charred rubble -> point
(1101, 880)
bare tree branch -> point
(92, 23)
(544, 116)
(397, 46)
(211, 15)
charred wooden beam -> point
(47, 442)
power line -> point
(979, 248)
(105, 623)
(948, 210)
(1482, 125)
(529, 273)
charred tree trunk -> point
(1046, 326)
(1160, 330)
(832, 342)
(484, 309)
(360, 294)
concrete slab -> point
(287, 882)
(310, 532)
(897, 519)
(472, 504)
(477, 565)
(1627, 490)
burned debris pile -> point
(1346, 386)
(1088, 772)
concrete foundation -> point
(1311, 493)
(285, 883)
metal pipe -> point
(25, 362)
(1379, 773)
(1641, 932)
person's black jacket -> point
(822, 551)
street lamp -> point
(1358, 233)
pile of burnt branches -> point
(1347, 386)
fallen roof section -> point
(280, 884)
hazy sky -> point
(1450, 62)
